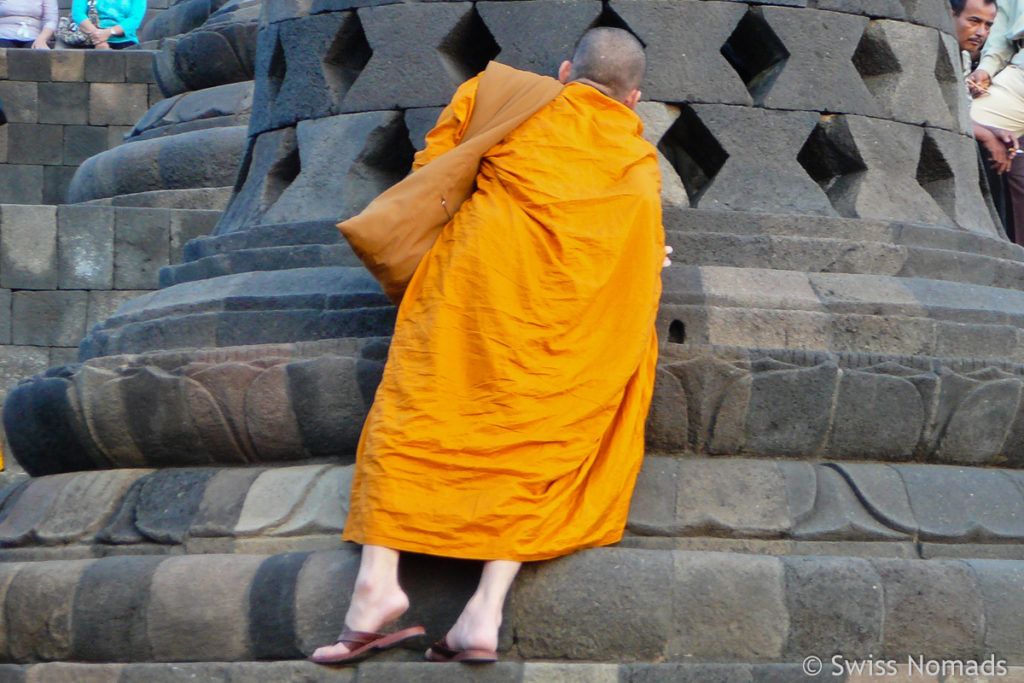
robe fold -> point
(510, 418)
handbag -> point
(72, 36)
(396, 230)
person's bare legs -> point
(477, 626)
(377, 599)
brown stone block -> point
(119, 104)
(269, 418)
(83, 506)
(31, 508)
(321, 596)
(35, 143)
(21, 101)
(558, 616)
(199, 608)
(274, 496)
(38, 609)
(61, 672)
(67, 65)
(952, 606)
(727, 605)
(8, 570)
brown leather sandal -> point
(441, 652)
(362, 644)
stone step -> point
(755, 505)
(376, 671)
(601, 605)
(288, 402)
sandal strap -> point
(348, 638)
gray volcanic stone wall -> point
(64, 269)
(62, 107)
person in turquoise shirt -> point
(119, 20)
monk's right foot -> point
(373, 606)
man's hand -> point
(1000, 144)
(979, 82)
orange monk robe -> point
(509, 422)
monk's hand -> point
(667, 262)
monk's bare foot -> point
(374, 604)
(476, 628)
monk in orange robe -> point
(508, 426)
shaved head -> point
(611, 57)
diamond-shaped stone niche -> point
(468, 47)
(830, 157)
(693, 151)
(875, 61)
(346, 57)
(756, 53)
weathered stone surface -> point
(345, 162)
(405, 65)
(908, 89)
(979, 426)
(383, 672)
(874, 171)
(84, 505)
(835, 606)
(204, 158)
(8, 570)
(819, 73)
(168, 502)
(38, 609)
(557, 616)
(55, 672)
(537, 36)
(113, 599)
(48, 318)
(117, 104)
(952, 607)
(686, 673)
(315, 76)
(325, 507)
(28, 244)
(876, 416)
(732, 497)
(748, 619)
(784, 415)
(1000, 581)
(85, 247)
(948, 173)
(963, 503)
(543, 672)
(664, 27)
(330, 405)
(322, 590)
(141, 247)
(837, 513)
(199, 608)
(882, 492)
(30, 508)
(772, 138)
(66, 103)
(667, 427)
(652, 509)
(272, 607)
(273, 497)
(29, 143)
(222, 502)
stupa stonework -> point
(837, 423)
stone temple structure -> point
(835, 443)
